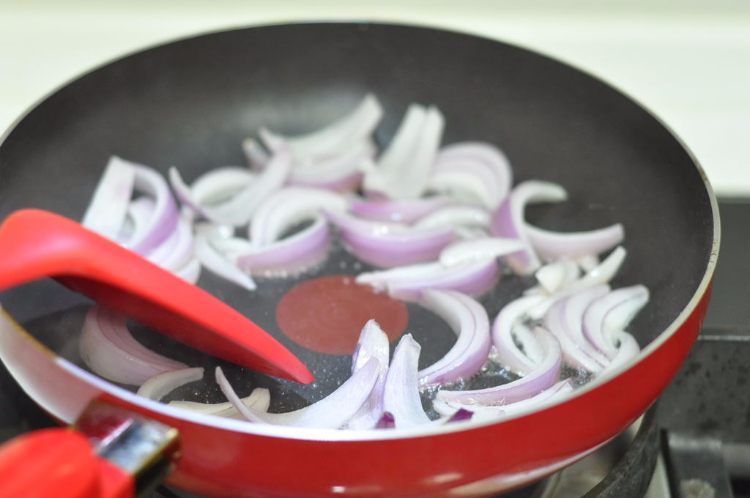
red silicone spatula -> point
(35, 244)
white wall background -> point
(687, 60)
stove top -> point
(697, 436)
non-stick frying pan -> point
(191, 103)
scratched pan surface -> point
(192, 102)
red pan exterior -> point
(222, 462)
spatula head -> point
(36, 244)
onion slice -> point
(287, 207)
(476, 168)
(610, 314)
(341, 173)
(472, 278)
(259, 400)
(469, 321)
(214, 261)
(555, 276)
(602, 274)
(479, 249)
(507, 351)
(160, 385)
(551, 245)
(108, 348)
(286, 257)
(509, 222)
(456, 217)
(388, 245)
(404, 211)
(627, 349)
(401, 395)
(238, 209)
(163, 219)
(405, 166)
(531, 384)
(332, 412)
(108, 206)
(373, 343)
(484, 412)
(329, 140)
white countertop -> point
(688, 60)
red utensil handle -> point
(60, 463)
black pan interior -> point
(191, 103)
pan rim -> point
(431, 430)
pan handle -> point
(109, 453)
(60, 463)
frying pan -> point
(190, 104)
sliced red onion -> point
(389, 245)
(332, 412)
(610, 314)
(550, 245)
(380, 279)
(340, 173)
(163, 219)
(473, 171)
(456, 217)
(177, 251)
(355, 126)
(576, 353)
(469, 321)
(259, 400)
(373, 343)
(160, 385)
(110, 351)
(542, 377)
(255, 154)
(508, 347)
(479, 249)
(108, 206)
(405, 211)
(401, 395)
(602, 274)
(286, 257)
(238, 209)
(555, 276)
(215, 262)
(287, 207)
(508, 221)
(628, 349)
(573, 309)
(472, 278)
(484, 412)
(220, 184)
(404, 168)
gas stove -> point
(694, 443)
